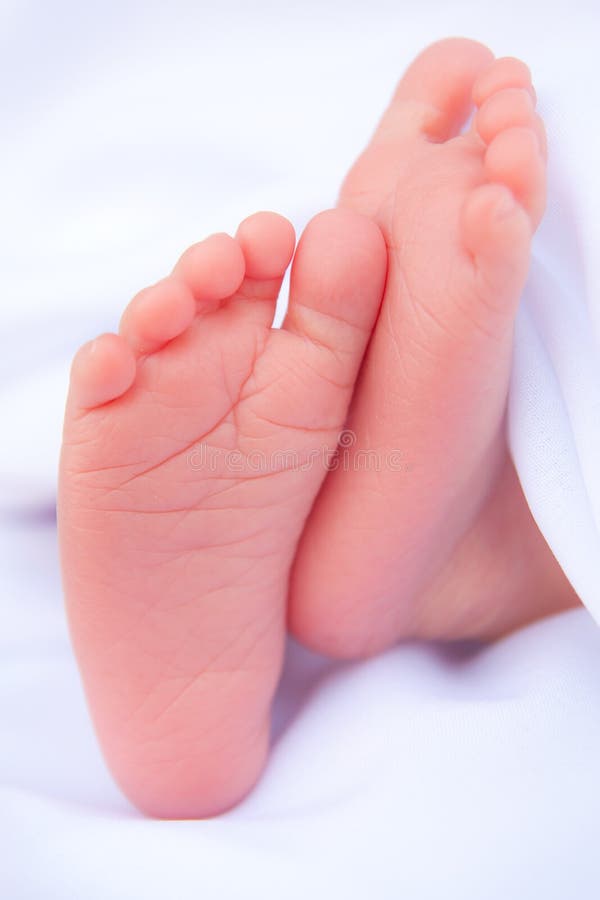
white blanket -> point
(130, 130)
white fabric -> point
(130, 130)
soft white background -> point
(129, 130)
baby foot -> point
(426, 529)
(195, 442)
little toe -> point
(506, 72)
(102, 370)
(509, 108)
(158, 314)
(213, 269)
(514, 158)
(434, 96)
(497, 233)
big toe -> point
(435, 94)
(337, 277)
(337, 283)
(432, 102)
(308, 372)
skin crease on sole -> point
(194, 443)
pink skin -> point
(442, 546)
(177, 557)
(176, 565)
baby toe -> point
(513, 158)
(497, 233)
(102, 370)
